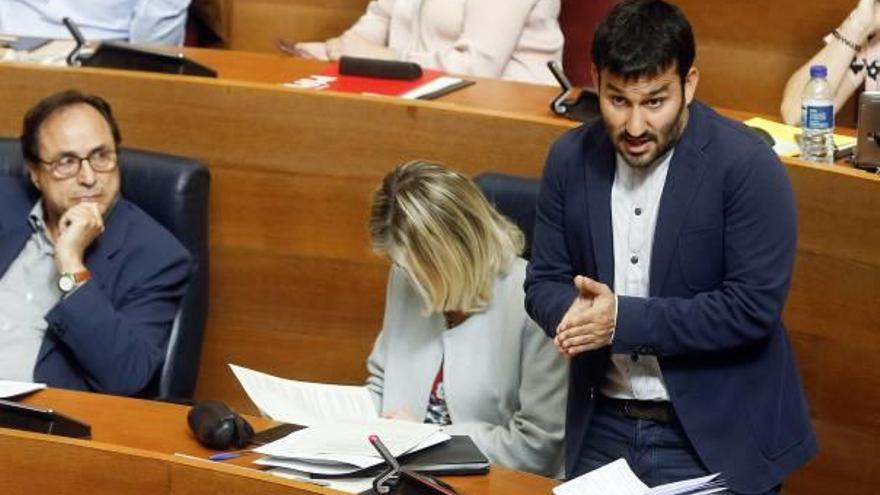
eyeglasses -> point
(69, 165)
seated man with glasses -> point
(89, 284)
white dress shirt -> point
(28, 290)
(635, 200)
(138, 21)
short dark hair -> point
(644, 38)
(37, 115)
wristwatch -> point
(68, 281)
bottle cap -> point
(818, 71)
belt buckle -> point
(650, 413)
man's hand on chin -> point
(78, 227)
(590, 321)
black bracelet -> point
(839, 37)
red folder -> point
(330, 79)
(376, 86)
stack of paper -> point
(616, 478)
(340, 420)
(343, 448)
(53, 53)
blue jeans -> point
(658, 453)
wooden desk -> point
(132, 447)
(295, 290)
(746, 50)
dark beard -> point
(674, 134)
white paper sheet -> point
(9, 388)
(53, 53)
(305, 403)
(324, 469)
(350, 438)
(441, 82)
(340, 464)
(710, 483)
(616, 478)
(347, 485)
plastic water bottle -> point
(817, 118)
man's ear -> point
(690, 84)
(594, 75)
(31, 171)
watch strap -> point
(81, 276)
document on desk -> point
(305, 403)
(343, 448)
(9, 388)
(53, 53)
(616, 478)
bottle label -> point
(817, 115)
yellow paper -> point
(784, 136)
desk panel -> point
(132, 453)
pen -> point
(223, 456)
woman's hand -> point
(403, 414)
(355, 46)
(311, 49)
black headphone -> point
(218, 427)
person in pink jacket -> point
(507, 39)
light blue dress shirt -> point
(28, 290)
(137, 21)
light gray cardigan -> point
(505, 383)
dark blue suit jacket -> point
(110, 335)
(722, 259)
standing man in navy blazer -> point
(662, 256)
(89, 284)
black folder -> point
(457, 456)
(31, 418)
(460, 455)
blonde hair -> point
(439, 227)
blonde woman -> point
(456, 346)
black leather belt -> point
(661, 412)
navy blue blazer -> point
(111, 334)
(722, 259)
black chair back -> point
(516, 198)
(174, 191)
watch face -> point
(66, 282)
